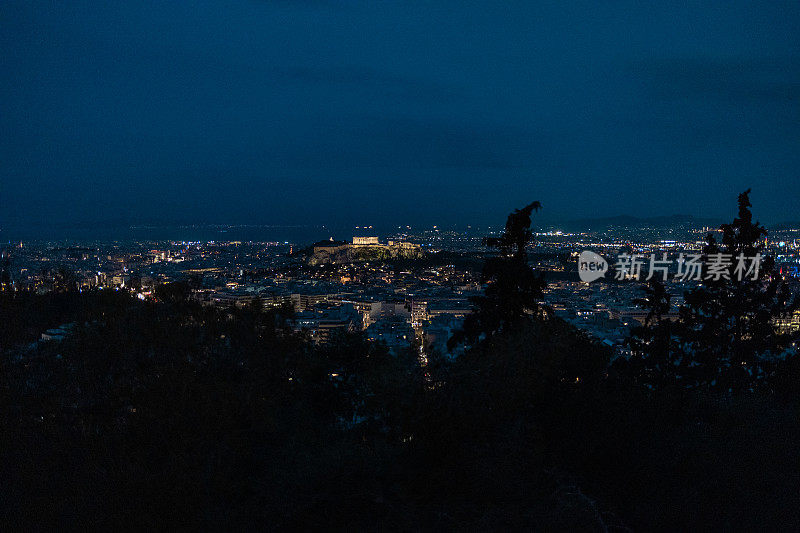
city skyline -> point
(161, 230)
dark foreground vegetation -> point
(165, 414)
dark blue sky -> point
(326, 112)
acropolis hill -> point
(361, 249)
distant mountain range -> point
(671, 221)
(688, 221)
(785, 225)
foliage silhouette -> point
(513, 289)
(726, 338)
(169, 414)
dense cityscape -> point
(407, 287)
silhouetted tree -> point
(512, 287)
(135, 282)
(5, 270)
(173, 292)
(729, 324)
(727, 337)
(195, 281)
(64, 280)
(654, 359)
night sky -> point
(282, 112)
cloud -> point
(756, 80)
(374, 142)
(368, 78)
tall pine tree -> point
(726, 338)
(513, 288)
